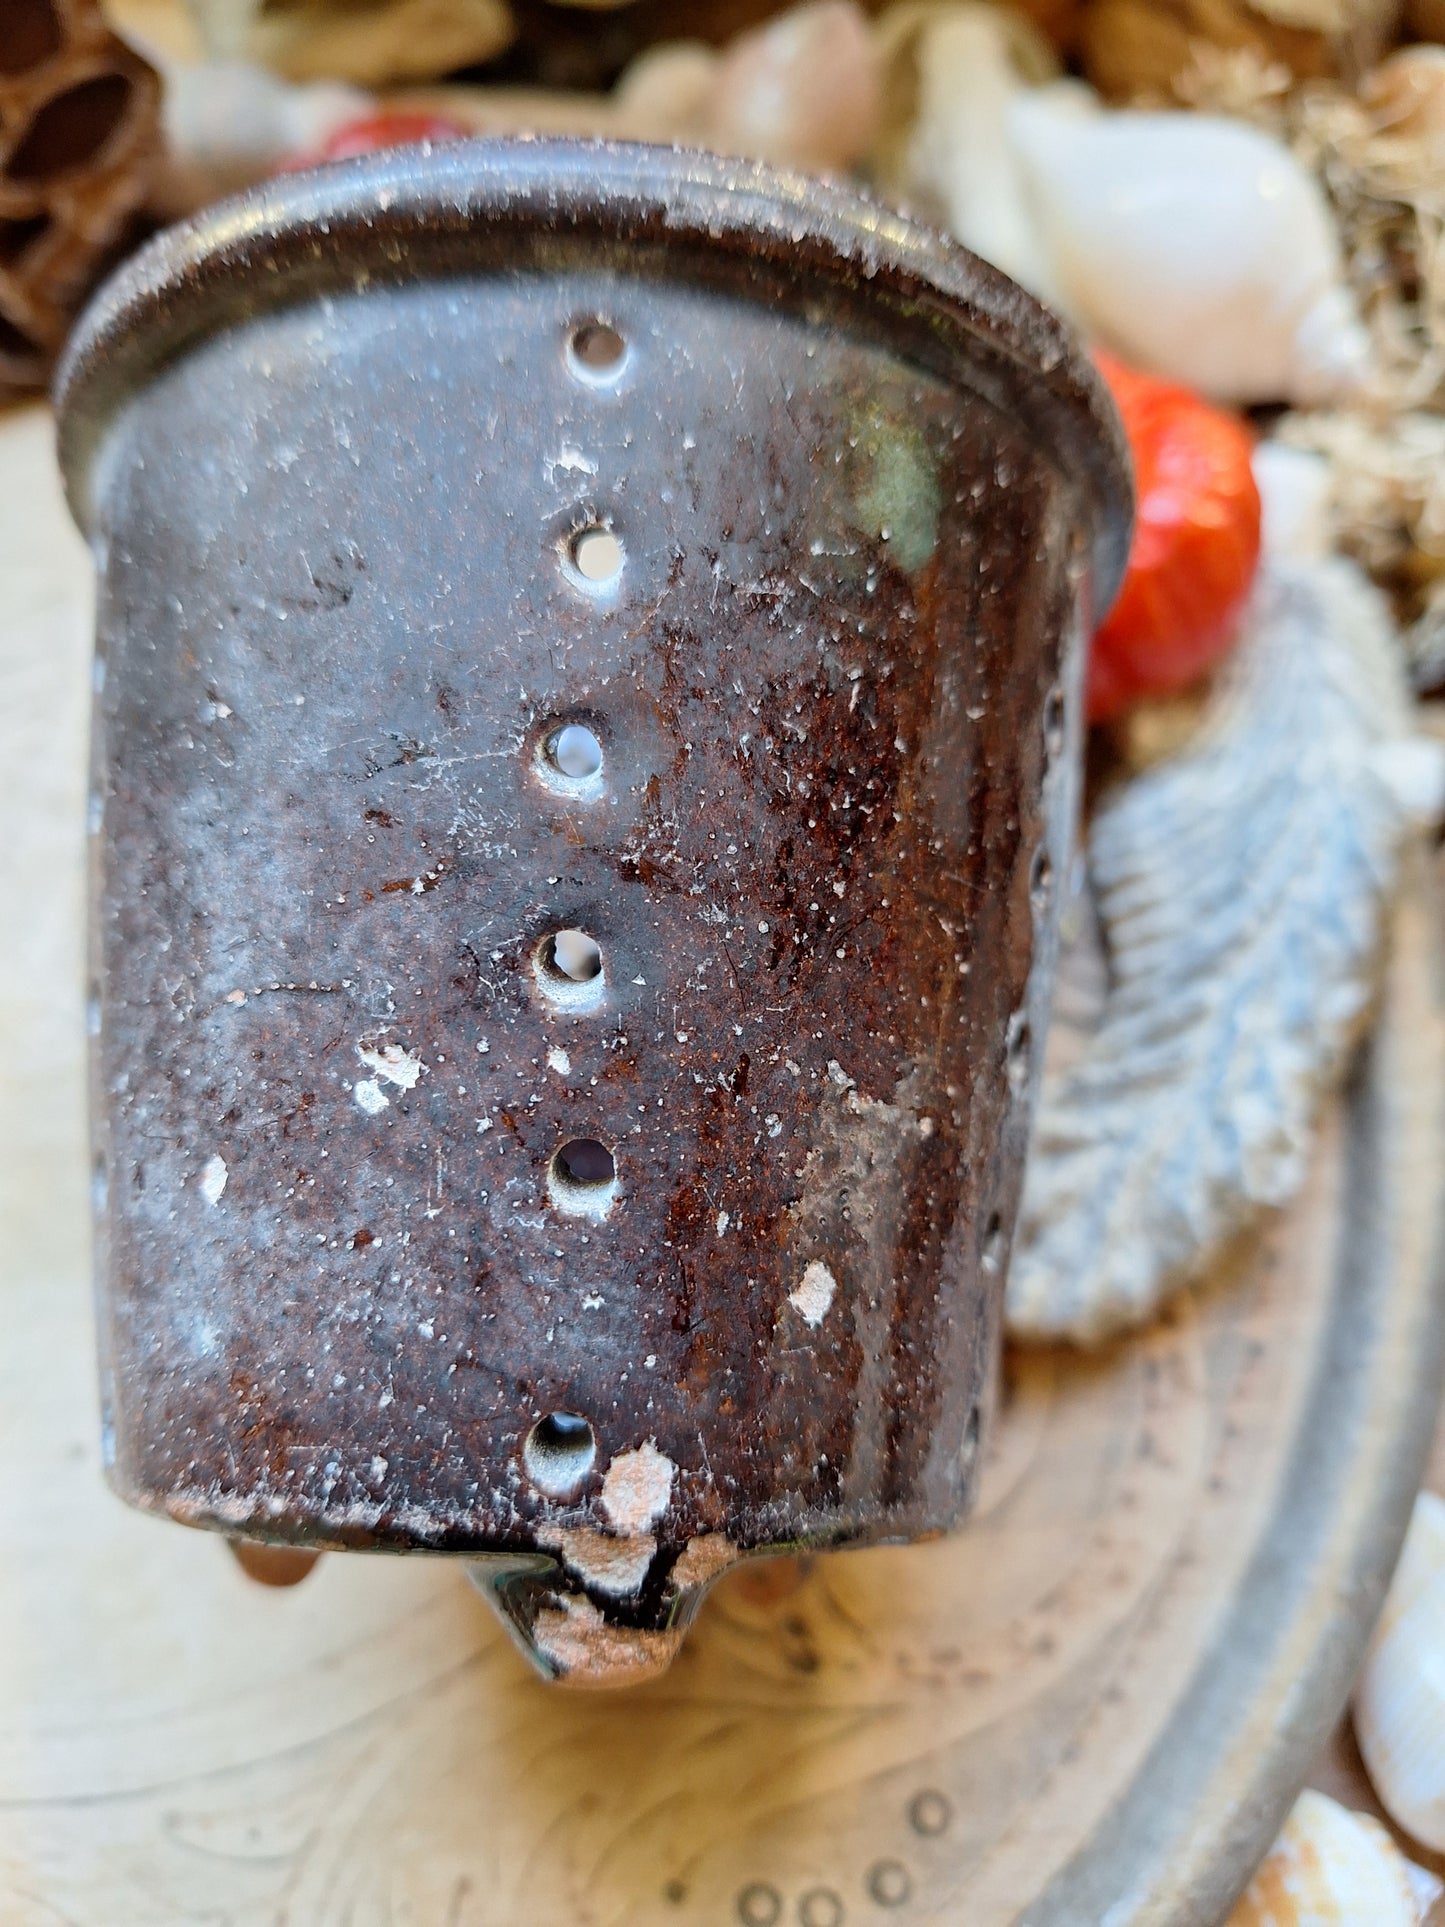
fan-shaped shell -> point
(1333, 1868)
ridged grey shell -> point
(1239, 887)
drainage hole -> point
(582, 1178)
(596, 350)
(1020, 1044)
(573, 751)
(993, 1244)
(572, 954)
(558, 1454)
(1054, 721)
(596, 555)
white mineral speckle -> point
(559, 1060)
(370, 1096)
(213, 1179)
(637, 1488)
(815, 1294)
(396, 1065)
(723, 1221)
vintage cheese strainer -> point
(586, 736)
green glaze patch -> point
(893, 483)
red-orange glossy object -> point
(1195, 547)
(373, 132)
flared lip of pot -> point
(738, 227)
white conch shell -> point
(950, 75)
(1400, 1696)
(1333, 1868)
(1241, 885)
(1194, 245)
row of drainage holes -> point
(561, 1448)
(596, 354)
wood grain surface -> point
(1096, 1702)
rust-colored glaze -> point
(864, 492)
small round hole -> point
(558, 1454)
(582, 1178)
(576, 956)
(568, 967)
(1054, 721)
(1041, 880)
(993, 1244)
(596, 350)
(574, 751)
(596, 556)
(968, 1451)
(1020, 1045)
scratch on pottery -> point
(637, 1487)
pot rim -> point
(775, 235)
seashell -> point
(229, 123)
(1399, 1702)
(1241, 886)
(1197, 247)
(664, 93)
(369, 43)
(801, 90)
(1333, 1868)
(950, 75)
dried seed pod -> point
(1139, 49)
(1400, 1698)
(1333, 1868)
(79, 140)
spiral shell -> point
(1333, 1868)
(1194, 245)
(1400, 1697)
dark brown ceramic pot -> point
(586, 733)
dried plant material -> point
(1138, 49)
(950, 74)
(79, 141)
(369, 43)
(1241, 889)
(1385, 504)
(1380, 159)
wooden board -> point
(1093, 1705)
